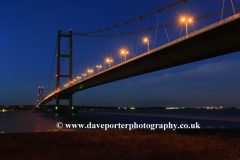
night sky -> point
(28, 41)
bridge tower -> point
(70, 76)
(39, 94)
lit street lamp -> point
(99, 66)
(74, 80)
(108, 60)
(84, 74)
(70, 82)
(66, 85)
(90, 71)
(78, 77)
(146, 40)
(124, 52)
(186, 20)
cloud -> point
(217, 69)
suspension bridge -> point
(218, 38)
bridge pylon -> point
(70, 76)
(40, 96)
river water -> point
(36, 121)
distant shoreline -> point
(80, 108)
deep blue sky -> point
(28, 39)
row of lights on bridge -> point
(124, 52)
(108, 60)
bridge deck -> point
(214, 40)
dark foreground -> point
(122, 144)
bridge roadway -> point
(222, 37)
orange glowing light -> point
(183, 19)
(109, 60)
(90, 70)
(99, 66)
(124, 52)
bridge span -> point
(214, 40)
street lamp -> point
(99, 66)
(186, 20)
(146, 40)
(78, 77)
(90, 71)
(108, 60)
(74, 80)
(84, 74)
(124, 52)
(70, 82)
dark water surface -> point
(35, 121)
(206, 118)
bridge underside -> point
(218, 41)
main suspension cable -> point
(194, 19)
(141, 17)
(52, 67)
